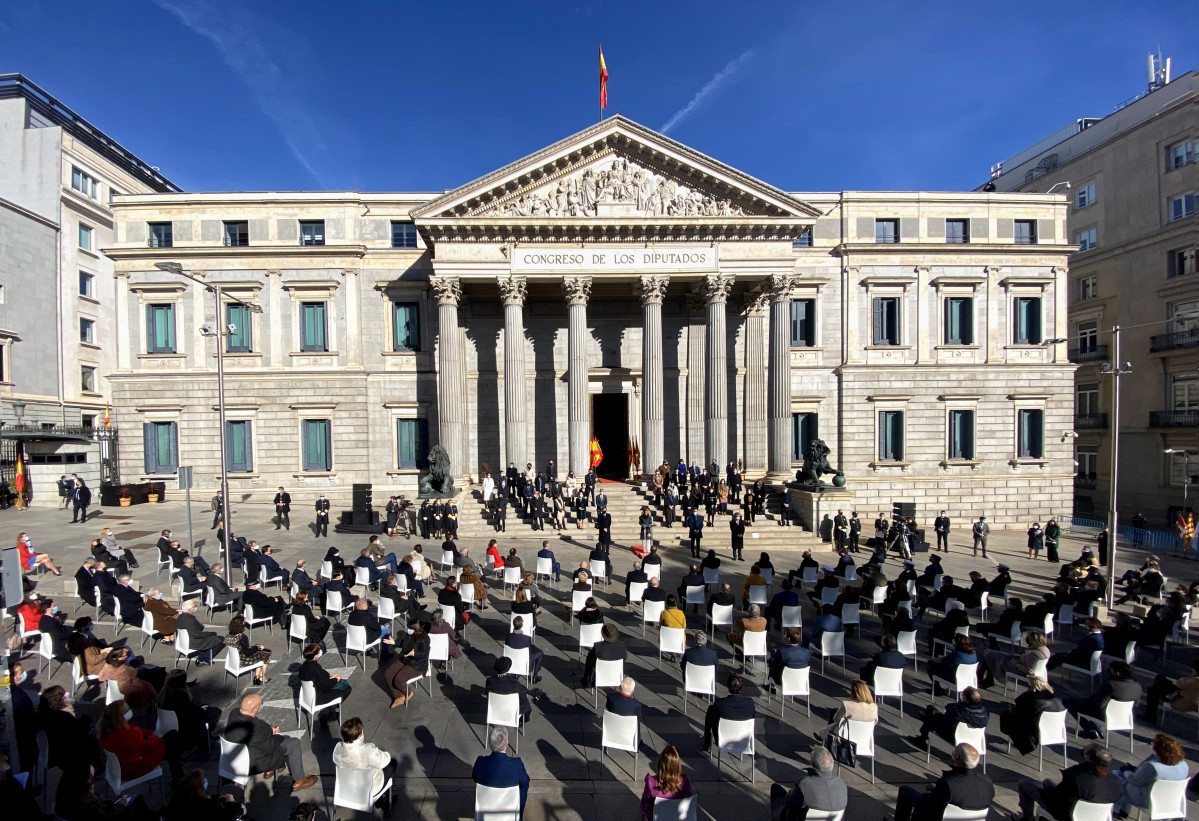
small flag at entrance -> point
(20, 477)
(107, 418)
(597, 455)
(603, 80)
(1190, 530)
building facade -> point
(58, 176)
(1134, 195)
(618, 285)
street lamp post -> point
(1115, 369)
(1186, 479)
(217, 331)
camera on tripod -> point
(899, 537)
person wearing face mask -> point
(328, 687)
(30, 557)
(138, 751)
(322, 516)
(164, 615)
(51, 623)
(191, 801)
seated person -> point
(1012, 615)
(354, 753)
(961, 653)
(271, 569)
(789, 655)
(500, 769)
(786, 597)
(269, 750)
(366, 617)
(818, 788)
(1080, 656)
(887, 657)
(337, 585)
(672, 615)
(264, 606)
(328, 687)
(504, 683)
(316, 627)
(753, 622)
(1091, 781)
(247, 653)
(733, 707)
(610, 649)
(946, 628)
(519, 641)
(1021, 723)
(963, 786)
(827, 622)
(1119, 686)
(997, 664)
(1167, 762)
(222, 593)
(968, 710)
(699, 654)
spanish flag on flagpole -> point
(603, 82)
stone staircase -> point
(625, 501)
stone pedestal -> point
(811, 504)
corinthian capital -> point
(577, 290)
(756, 302)
(652, 289)
(448, 290)
(512, 290)
(716, 288)
(780, 287)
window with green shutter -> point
(961, 434)
(161, 447)
(238, 318)
(160, 328)
(1030, 433)
(890, 436)
(316, 444)
(412, 436)
(886, 320)
(804, 428)
(1028, 320)
(312, 327)
(959, 320)
(239, 448)
(405, 325)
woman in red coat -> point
(138, 750)
(494, 552)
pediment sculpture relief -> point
(619, 188)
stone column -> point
(778, 394)
(451, 407)
(693, 442)
(274, 321)
(755, 381)
(353, 338)
(716, 383)
(512, 292)
(652, 292)
(577, 291)
(126, 335)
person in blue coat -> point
(827, 623)
(790, 655)
(500, 769)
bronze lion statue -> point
(816, 465)
(438, 481)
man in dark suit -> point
(734, 707)
(327, 687)
(107, 585)
(131, 601)
(282, 509)
(503, 683)
(1120, 686)
(790, 655)
(268, 749)
(1092, 781)
(85, 581)
(840, 531)
(200, 640)
(827, 622)
(401, 602)
(601, 555)
(253, 563)
(271, 568)
(603, 524)
(305, 583)
(654, 592)
(695, 531)
(635, 576)
(601, 499)
(336, 585)
(785, 507)
(322, 516)
(888, 657)
(622, 702)
(263, 604)
(1080, 656)
(968, 710)
(963, 786)
(365, 616)
(692, 578)
(786, 597)
(610, 649)
(500, 769)
(699, 654)
(519, 641)
(817, 788)
(723, 597)
(222, 593)
(941, 526)
(546, 553)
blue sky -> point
(387, 96)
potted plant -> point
(152, 497)
(126, 497)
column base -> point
(811, 504)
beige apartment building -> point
(1134, 195)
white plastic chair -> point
(234, 667)
(599, 572)
(1014, 639)
(545, 567)
(251, 620)
(737, 738)
(578, 599)
(447, 560)
(1130, 654)
(354, 789)
(503, 710)
(608, 673)
(529, 629)
(796, 681)
(956, 813)
(234, 763)
(906, 641)
(711, 576)
(1040, 670)
(861, 733)
(652, 571)
(677, 809)
(877, 596)
(112, 692)
(520, 661)
(326, 570)
(753, 645)
(637, 592)
(191, 594)
(828, 596)
(306, 703)
(721, 616)
(1118, 717)
(964, 630)
(362, 576)
(621, 733)
(851, 616)
(694, 594)
(810, 575)
(671, 640)
(757, 595)
(356, 643)
(1168, 800)
(334, 605)
(439, 650)
(80, 682)
(1094, 671)
(975, 737)
(210, 602)
(1051, 730)
(45, 650)
(831, 644)
(387, 610)
(984, 603)
(497, 803)
(792, 616)
(148, 630)
(700, 680)
(512, 576)
(183, 649)
(1084, 811)
(589, 634)
(1065, 616)
(964, 675)
(888, 682)
(112, 774)
(651, 613)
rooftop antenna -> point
(1159, 70)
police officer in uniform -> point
(322, 516)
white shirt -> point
(359, 755)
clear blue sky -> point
(386, 96)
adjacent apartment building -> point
(1134, 220)
(58, 177)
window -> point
(312, 232)
(87, 330)
(405, 326)
(1030, 433)
(412, 437)
(403, 235)
(804, 240)
(312, 327)
(1184, 317)
(85, 237)
(1086, 400)
(240, 323)
(1184, 393)
(1085, 195)
(959, 320)
(1026, 232)
(161, 234)
(961, 434)
(1028, 320)
(1086, 239)
(1183, 206)
(957, 232)
(1086, 288)
(237, 234)
(1088, 336)
(1180, 261)
(890, 436)
(316, 444)
(886, 320)
(84, 183)
(87, 284)
(87, 379)
(803, 323)
(162, 448)
(1180, 154)
(160, 328)
(886, 232)
(804, 428)
(88, 420)
(1088, 463)
(239, 447)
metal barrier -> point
(1080, 526)
(1130, 537)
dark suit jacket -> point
(302, 579)
(319, 676)
(86, 585)
(722, 599)
(253, 565)
(733, 707)
(200, 640)
(266, 750)
(623, 705)
(131, 604)
(506, 685)
(1081, 783)
(502, 770)
(789, 655)
(699, 656)
(968, 789)
(263, 604)
(283, 500)
(191, 581)
(1080, 656)
(364, 618)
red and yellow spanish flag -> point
(20, 477)
(1190, 527)
(603, 80)
(107, 418)
(597, 455)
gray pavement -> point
(436, 740)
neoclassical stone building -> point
(615, 284)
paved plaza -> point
(436, 739)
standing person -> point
(83, 498)
(1102, 545)
(737, 531)
(981, 531)
(603, 523)
(282, 509)
(840, 530)
(667, 781)
(65, 492)
(1036, 540)
(1053, 534)
(748, 505)
(218, 507)
(393, 516)
(941, 526)
(785, 507)
(488, 490)
(322, 516)
(695, 531)
(855, 532)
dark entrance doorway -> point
(610, 425)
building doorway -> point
(610, 425)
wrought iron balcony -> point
(1091, 353)
(1174, 419)
(1090, 421)
(1085, 482)
(1174, 339)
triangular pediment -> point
(617, 171)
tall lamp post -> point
(1186, 478)
(218, 331)
(1115, 369)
